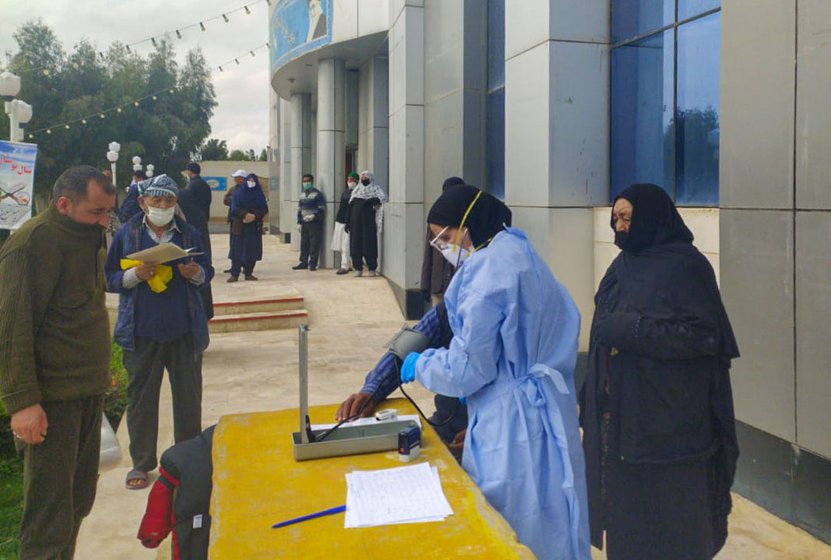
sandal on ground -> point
(137, 478)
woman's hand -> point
(248, 218)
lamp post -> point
(136, 163)
(112, 156)
(19, 111)
(150, 168)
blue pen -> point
(330, 511)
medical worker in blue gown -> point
(512, 358)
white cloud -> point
(241, 118)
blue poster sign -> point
(217, 183)
(297, 27)
(17, 183)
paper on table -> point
(371, 420)
(411, 494)
(162, 253)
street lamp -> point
(19, 111)
(136, 163)
(112, 156)
(150, 168)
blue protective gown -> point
(513, 355)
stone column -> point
(331, 135)
(404, 215)
(301, 152)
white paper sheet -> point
(411, 494)
(162, 253)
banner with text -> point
(17, 183)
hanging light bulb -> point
(155, 98)
(66, 126)
(178, 34)
(252, 53)
(202, 25)
(236, 60)
(128, 49)
(220, 69)
(136, 103)
(48, 131)
(153, 40)
(119, 109)
(31, 136)
(225, 18)
(83, 121)
(247, 11)
(101, 115)
(267, 45)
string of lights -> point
(200, 25)
(137, 102)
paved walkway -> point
(350, 320)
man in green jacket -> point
(54, 357)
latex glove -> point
(308, 218)
(463, 400)
(408, 368)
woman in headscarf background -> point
(248, 207)
(657, 407)
(340, 238)
(512, 357)
(364, 222)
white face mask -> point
(351, 185)
(160, 217)
(252, 184)
(454, 254)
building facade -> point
(557, 105)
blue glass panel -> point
(633, 18)
(496, 44)
(697, 116)
(642, 138)
(496, 143)
(691, 8)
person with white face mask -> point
(248, 208)
(513, 353)
(340, 237)
(161, 322)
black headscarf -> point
(452, 182)
(488, 216)
(655, 220)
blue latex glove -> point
(463, 400)
(408, 368)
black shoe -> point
(312, 268)
(228, 271)
(342, 271)
(251, 277)
(232, 279)
(300, 266)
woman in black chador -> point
(657, 407)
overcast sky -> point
(241, 116)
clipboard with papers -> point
(163, 253)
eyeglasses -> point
(438, 242)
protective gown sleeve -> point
(471, 362)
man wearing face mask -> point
(161, 323)
(54, 357)
(310, 211)
(340, 238)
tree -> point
(167, 129)
(264, 155)
(214, 150)
(238, 155)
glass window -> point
(633, 18)
(496, 143)
(496, 43)
(697, 113)
(692, 8)
(642, 107)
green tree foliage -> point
(167, 131)
(238, 155)
(214, 150)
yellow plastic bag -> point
(159, 281)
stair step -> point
(260, 305)
(259, 321)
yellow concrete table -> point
(257, 483)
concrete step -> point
(262, 321)
(290, 302)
